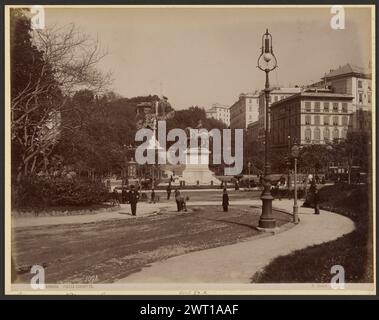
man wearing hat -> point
(133, 199)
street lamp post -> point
(295, 155)
(267, 63)
(248, 169)
(289, 168)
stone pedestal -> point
(197, 168)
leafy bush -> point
(349, 200)
(47, 191)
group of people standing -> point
(133, 196)
(181, 200)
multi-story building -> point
(244, 111)
(352, 80)
(219, 112)
(252, 131)
(276, 94)
(360, 121)
(310, 117)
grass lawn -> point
(353, 251)
(60, 210)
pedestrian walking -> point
(183, 202)
(177, 199)
(152, 196)
(124, 194)
(225, 200)
(169, 191)
(115, 196)
(278, 191)
(315, 197)
(133, 199)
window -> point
(335, 106)
(317, 134)
(317, 106)
(344, 121)
(335, 121)
(276, 98)
(344, 107)
(326, 134)
(308, 119)
(360, 97)
(360, 84)
(344, 133)
(369, 97)
(326, 120)
(307, 106)
(308, 135)
(326, 106)
(335, 133)
(317, 120)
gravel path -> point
(238, 262)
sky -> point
(201, 56)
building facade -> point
(276, 94)
(352, 80)
(219, 112)
(244, 111)
(310, 117)
(252, 132)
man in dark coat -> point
(169, 191)
(177, 199)
(124, 194)
(133, 199)
(316, 200)
(116, 196)
(315, 197)
(225, 200)
(183, 204)
(152, 196)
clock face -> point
(267, 61)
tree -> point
(314, 158)
(33, 93)
(354, 150)
(47, 67)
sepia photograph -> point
(190, 150)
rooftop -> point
(284, 90)
(347, 69)
(250, 94)
(330, 95)
(217, 106)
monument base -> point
(197, 170)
